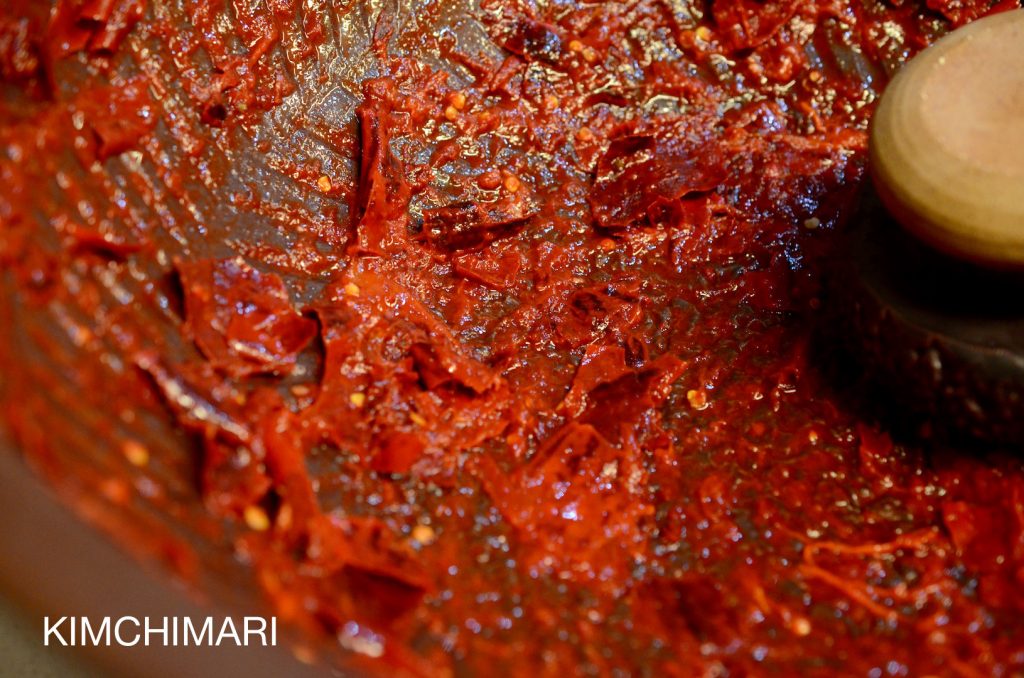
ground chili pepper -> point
(481, 336)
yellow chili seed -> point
(136, 453)
(424, 534)
(698, 399)
(256, 518)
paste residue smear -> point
(479, 333)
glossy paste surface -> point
(478, 335)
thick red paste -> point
(479, 334)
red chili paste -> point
(478, 333)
